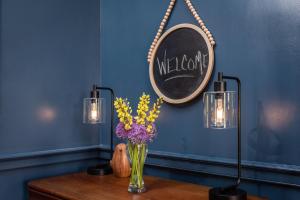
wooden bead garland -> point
(164, 22)
(161, 27)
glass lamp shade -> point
(93, 110)
(220, 109)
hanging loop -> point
(165, 21)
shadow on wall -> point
(265, 140)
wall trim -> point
(26, 155)
(247, 179)
(222, 162)
(251, 165)
(201, 165)
(261, 166)
(48, 157)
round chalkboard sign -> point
(182, 63)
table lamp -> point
(220, 112)
(93, 113)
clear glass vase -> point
(137, 154)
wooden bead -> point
(165, 21)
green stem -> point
(137, 153)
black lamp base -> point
(232, 193)
(100, 170)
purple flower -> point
(137, 134)
(121, 132)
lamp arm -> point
(112, 112)
(239, 165)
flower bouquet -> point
(138, 131)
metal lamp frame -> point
(105, 168)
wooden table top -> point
(81, 186)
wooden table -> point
(81, 186)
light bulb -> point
(94, 115)
(219, 118)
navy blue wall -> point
(49, 58)
(258, 41)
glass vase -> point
(137, 154)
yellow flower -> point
(153, 114)
(149, 128)
(124, 112)
(142, 109)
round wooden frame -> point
(208, 73)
